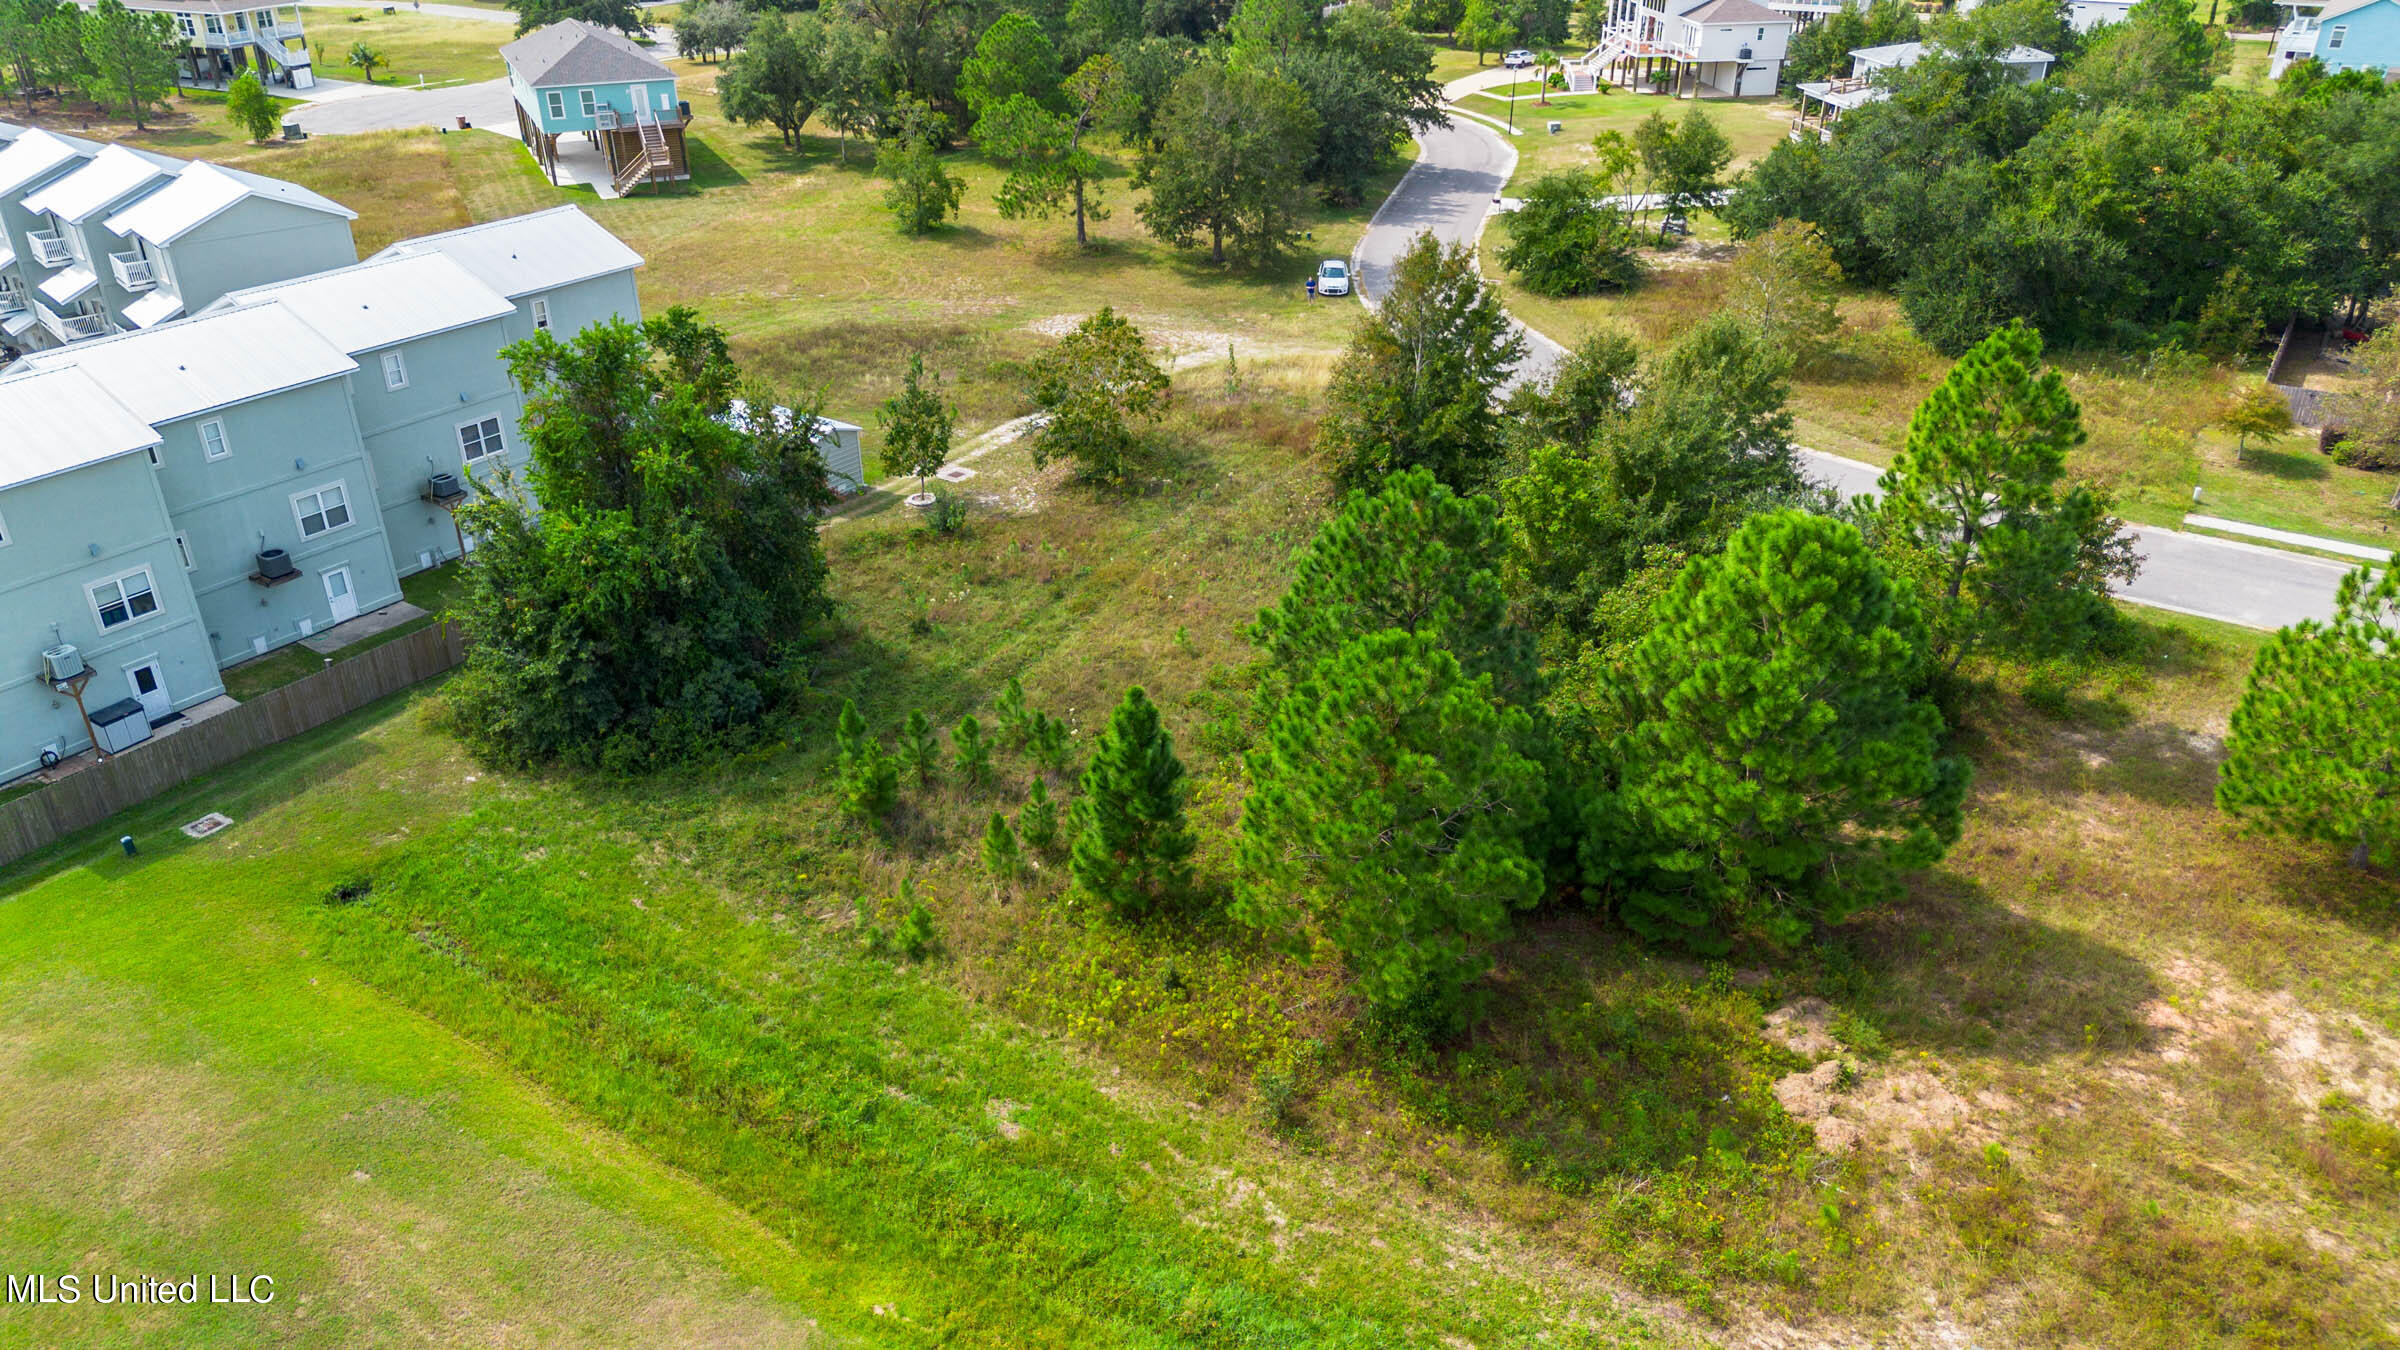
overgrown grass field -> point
(2078, 1088)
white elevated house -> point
(1706, 48)
(1822, 102)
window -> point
(1762, 35)
(590, 101)
(212, 440)
(480, 440)
(2335, 35)
(216, 26)
(184, 23)
(541, 312)
(3, 533)
(120, 600)
(395, 371)
(152, 452)
(183, 550)
(325, 509)
(556, 102)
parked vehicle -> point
(1518, 59)
(1333, 277)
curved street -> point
(1452, 190)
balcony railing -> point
(134, 272)
(12, 301)
(48, 249)
(73, 327)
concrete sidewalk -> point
(2291, 538)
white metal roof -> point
(32, 154)
(67, 421)
(155, 308)
(375, 304)
(1901, 55)
(202, 192)
(207, 361)
(112, 174)
(68, 284)
(525, 255)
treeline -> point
(1238, 119)
(112, 55)
(2124, 201)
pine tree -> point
(1037, 820)
(2314, 749)
(1975, 491)
(849, 735)
(1411, 555)
(971, 752)
(1132, 848)
(1009, 714)
(1046, 742)
(1389, 806)
(1780, 770)
(1001, 858)
(919, 749)
(871, 783)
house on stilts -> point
(575, 80)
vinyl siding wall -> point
(53, 525)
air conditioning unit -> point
(274, 563)
(444, 486)
(62, 663)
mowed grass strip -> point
(190, 1088)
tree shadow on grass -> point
(2291, 466)
(709, 169)
(1951, 968)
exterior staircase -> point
(654, 164)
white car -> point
(1333, 277)
(1518, 59)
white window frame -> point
(91, 593)
(224, 443)
(395, 371)
(589, 101)
(300, 517)
(2336, 36)
(554, 102)
(499, 439)
(5, 537)
(541, 313)
(183, 550)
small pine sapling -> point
(971, 752)
(1037, 820)
(1002, 859)
(871, 783)
(1046, 742)
(918, 749)
(1010, 715)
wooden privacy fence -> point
(103, 789)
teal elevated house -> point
(574, 81)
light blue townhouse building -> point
(185, 493)
(88, 562)
(98, 239)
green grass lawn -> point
(417, 47)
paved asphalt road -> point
(1452, 188)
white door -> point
(340, 595)
(150, 686)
